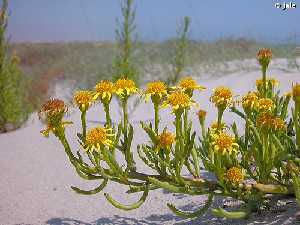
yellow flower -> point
(296, 93)
(157, 89)
(265, 104)
(104, 90)
(222, 97)
(201, 114)
(265, 120)
(278, 124)
(125, 87)
(224, 143)
(273, 81)
(83, 99)
(189, 83)
(165, 140)
(214, 126)
(53, 107)
(97, 138)
(264, 56)
(53, 111)
(234, 175)
(268, 121)
(249, 101)
(178, 100)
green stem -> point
(230, 215)
(125, 132)
(128, 207)
(179, 147)
(297, 126)
(91, 192)
(175, 189)
(197, 213)
(264, 158)
(78, 167)
(61, 136)
(185, 120)
(83, 124)
(196, 162)
(220, 114)
(202, 129)
(156, 117)
(264, 79)
(178, 125)
(125, 116)
(273, 189)
(107, 114)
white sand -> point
(36, 175)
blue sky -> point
(85, 20)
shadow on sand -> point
(280, 216)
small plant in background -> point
(13, 110)
(179, 61)
(266, 152)
(124, 65)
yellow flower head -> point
(264, 56)
(214, 126)
(201, 114)
(165, 140)
(97, 138)
(189, 83)
(273, 82)
(278, 124)
(178, 100)
(83, 99)
(296, 93)
(268, 121)
(265, 120)
(234, 175)
(224, 143)
(53, 110)
(221, 97)
(157, 89)
(104, 90)
(265, 104)
(249, 101)
(125, 87)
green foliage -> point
(12, 85)
(124, 65)
(265, 153)
(47, 61)
(179, 61)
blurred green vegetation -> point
(124, 63)
(14, 107)
(87, 63)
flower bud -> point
(296, 93)
(264, 56)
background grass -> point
(87, 63)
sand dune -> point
(36, 175)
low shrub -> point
(267, 153)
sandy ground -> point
(36, 175)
